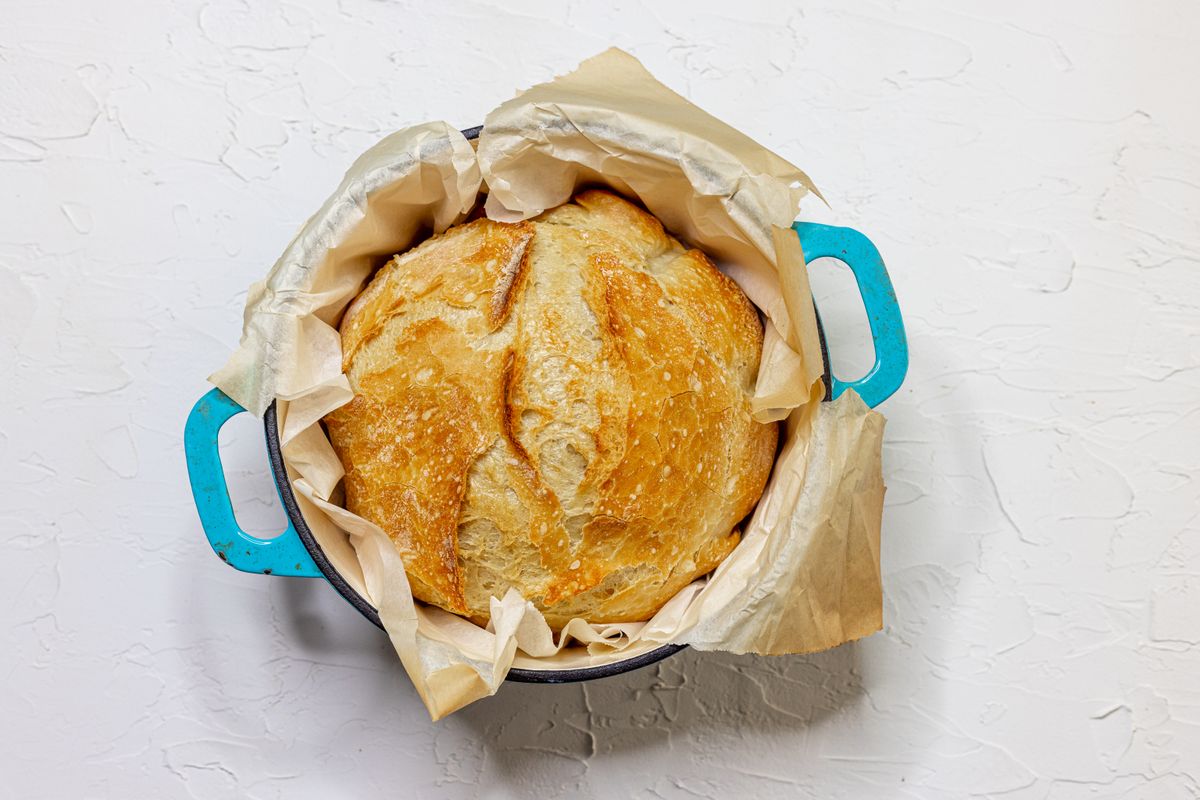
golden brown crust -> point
(559, 405)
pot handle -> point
(282, 555)
(879, 298)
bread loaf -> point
(559, 405)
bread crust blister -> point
(559, 405)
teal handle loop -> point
(879, 298)
(283, 555)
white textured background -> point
(1031, 172)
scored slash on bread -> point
(559, 405)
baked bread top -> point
(559, 405)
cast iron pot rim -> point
(279, 472)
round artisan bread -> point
(560, 406)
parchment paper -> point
(806, 574)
